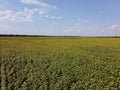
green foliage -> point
(54, 63)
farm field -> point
(59, 63)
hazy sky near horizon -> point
(60, 17)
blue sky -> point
(60, 17)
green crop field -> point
(59, 63)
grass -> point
(59, 63)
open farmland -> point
(59, 63)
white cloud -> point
(114, 26)
(37, 2)
(27, 14)
(6, 14)
(41, 11)
(53, 17)
(30, 1)
(20, 16)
